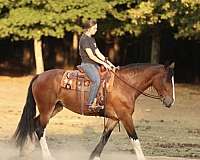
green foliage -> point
(183, 15)
(187, 18)
(117, 22)
(28, 19)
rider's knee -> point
(97, 81)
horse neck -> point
(140, 78)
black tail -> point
(26, 123)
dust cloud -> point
(10, 152)
(76, 152)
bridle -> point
(133, 87)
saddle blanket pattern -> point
(76, 80)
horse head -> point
(163, 82)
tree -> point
(152, 16)
(115, 25)
(186, 18)
(24, 20)
(35, 19)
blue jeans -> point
(92, 72)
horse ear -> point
(172, 65)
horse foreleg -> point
(129, 126)
(110, 125)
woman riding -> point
(91, 59)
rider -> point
(91, 59)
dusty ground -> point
(163, 132)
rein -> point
(133, 87)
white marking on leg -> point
(45, 150)
(173, 90)
(138, 149)
(96, 158)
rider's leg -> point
(92, 72)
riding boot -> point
(94, 104)
(94, 107)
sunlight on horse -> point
(130, 81)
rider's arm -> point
(93, 57)
(102, 57)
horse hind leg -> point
(110, 125)
(41, 122)
(45, 150)
(58, 108)
(129, 127)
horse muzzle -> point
(167, 101)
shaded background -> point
(17, 58)
(129, 31)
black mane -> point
(140, 66)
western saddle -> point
(79, 81)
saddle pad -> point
(74, 79)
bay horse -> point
(130, 81)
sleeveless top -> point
(86, 42)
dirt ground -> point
(164, 133)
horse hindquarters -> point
(45, 92)
(29, 124)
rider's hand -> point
(112, 66)
(107, 66)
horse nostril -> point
(167, 101)
(168, 105)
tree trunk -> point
(75, 48)
(38, 56)
(155, 48)
(113, 52)
(75, 42)
(26, 55)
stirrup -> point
(93, 105)
(96, 108)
